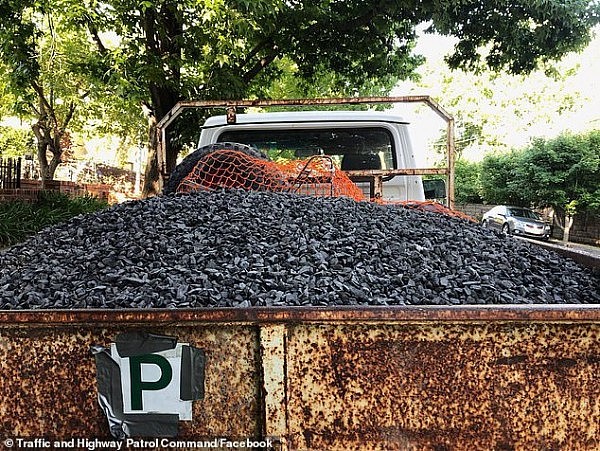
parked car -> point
(516, 221)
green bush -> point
(466, 182)
(499, 183)
(562, 173)
(20, 219)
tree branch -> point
(261, 45)
(363, 20)
(260, 65)
(150, 31)
(34, 108)
(68, 117)
(96, 38)
(44, 102)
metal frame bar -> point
(272, 339)
(376, 177)
(560, 313)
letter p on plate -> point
(151, 383)
(138, 385)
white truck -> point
(374, 148)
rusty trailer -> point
(408, 378)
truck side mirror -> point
(434, 188)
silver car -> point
(516, 221)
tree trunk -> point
(567, 228)
(153, 180)
(152, 177)
(48, 141)
(161, 26)
(163, 100)
(48, 133)
(564, 221)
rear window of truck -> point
(350, 148)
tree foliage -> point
(498, 183)
(515, 36)
(156, 52)
(562, 173)
(467, 182)
(501, 111)
(15, 142)
(44, 65)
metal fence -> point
(10, 173)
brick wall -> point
(30, 190)
(585, 230)
(474, 210)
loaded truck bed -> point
(283, 321)
(315, 377)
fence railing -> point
(10, 173)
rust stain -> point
(481, 386)
(273, 366)
(369, 173)
(353, 378)
(49, 381)
(514, 360)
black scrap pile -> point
(241, 249)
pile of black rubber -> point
(240, 249)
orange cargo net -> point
(315, 176)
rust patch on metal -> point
(49, 381)
(355, 378)
(369, 173)
(514, 360)
(444, 386)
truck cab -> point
(355, 141)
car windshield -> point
(349, 148)
(523, 213)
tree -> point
(45, 60)
(498, 179)
(562, 173)
(171, 50)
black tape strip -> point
(151, 425)
(130, 344)
(193, 362)
(108, 377)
